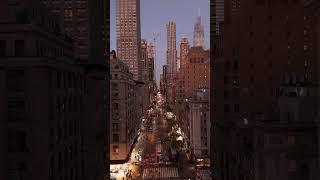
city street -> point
(162, 149)
(153, 156)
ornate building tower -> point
(198, 34)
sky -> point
(155, 14)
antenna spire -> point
(199, 12)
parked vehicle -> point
(160, 159)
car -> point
(160, 159)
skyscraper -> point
(151, 60)
(171, 49)
(178, 64)
(184, 49)
(151, 50)
(129, 35)
(144, 60)
(198, 34)
(218, 16)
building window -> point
(51, 136)
(226, 94)
(51, 108)
(226, 80)
(251, 79)
(16, 109)
(58, 80)
(115, 94)
(292, 165)
(68, 13)
(227, 66)
(15, 80)
(114, 85)
(17, 141)
(19, 47)
(17, 170)
(275, 140)
(116, 138)
(115, 148)
(296, 1)
(3, 48)
(260, 2)
(288, 35)
(60, 164)
(250, 19)
(236, 93)
(250, 34)
(235, 65)
(291, 140)
(236, 108)
(270, 48)
(115, 106)
(226, 108)
(115, 126)
(52, 168)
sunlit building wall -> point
(123, 114)
(129, 35)
(199, 123)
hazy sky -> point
(154, 16)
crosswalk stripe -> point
(160, 172)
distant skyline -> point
(155, 14)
